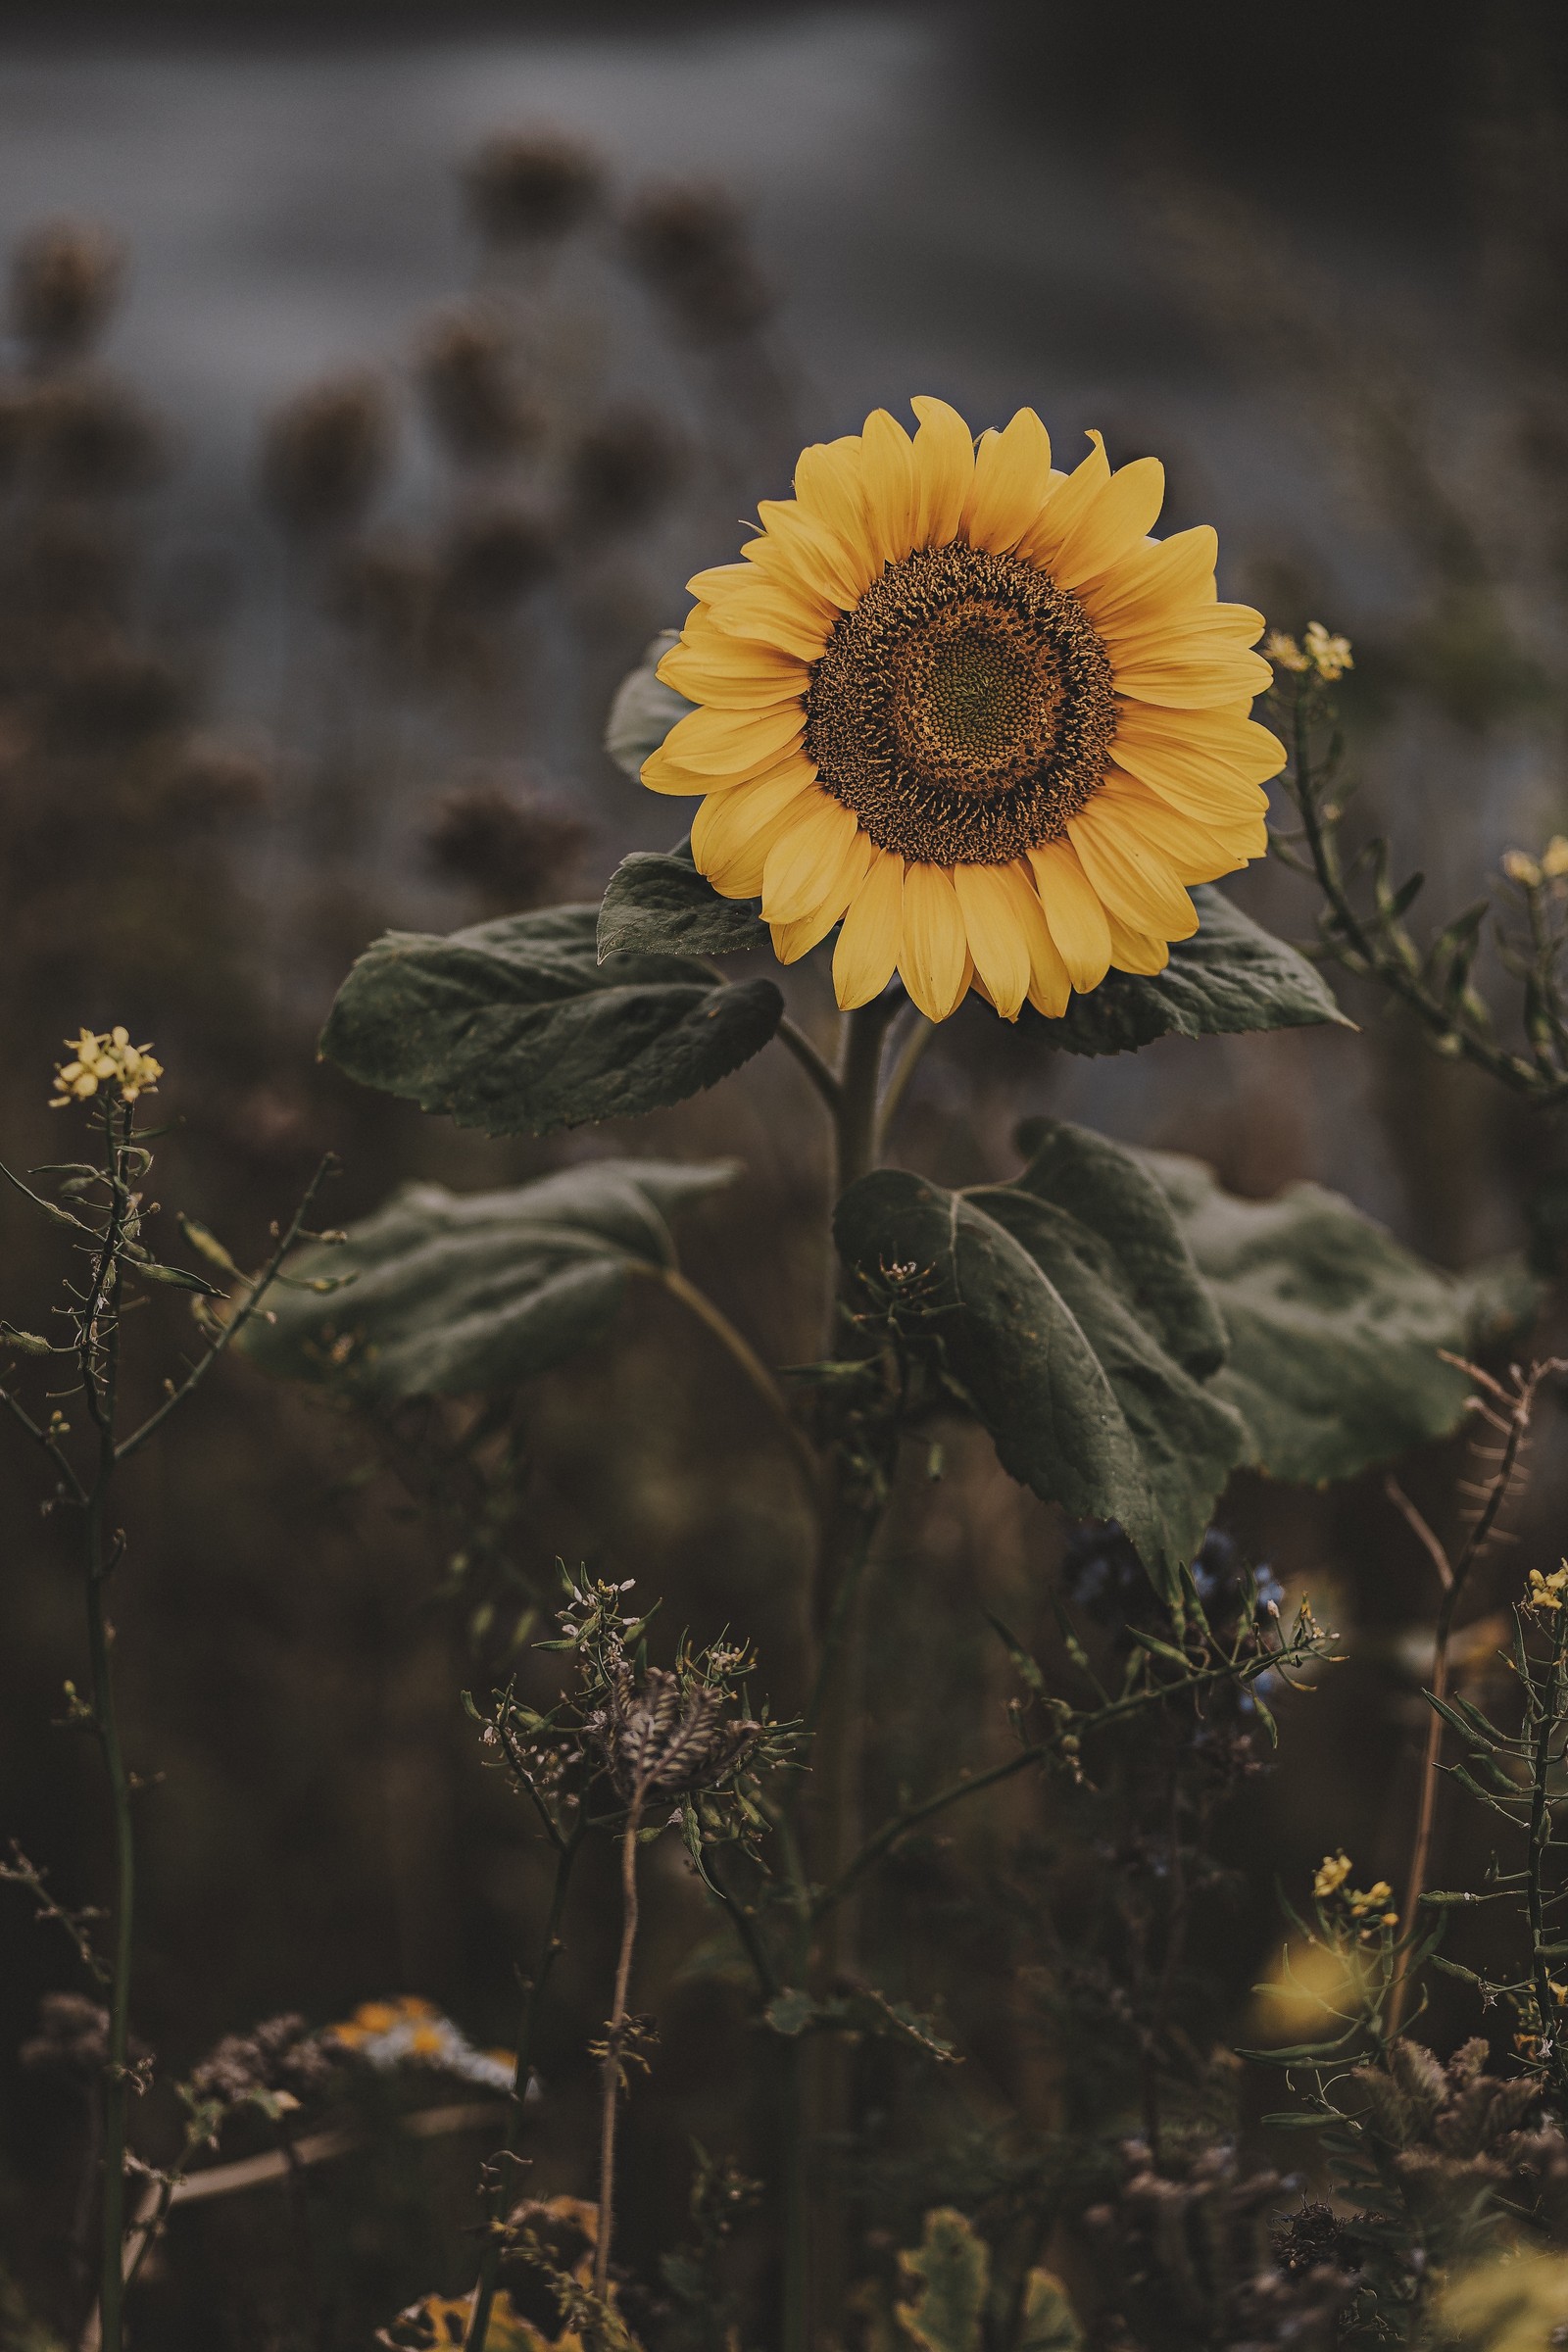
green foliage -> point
(1075, 1329)
(1050, 2323)
(950, 2271)
(516, 1027)
(1231, 975)
(455, 1294)
(644, 710)
(661, 905)
(1334, 1327)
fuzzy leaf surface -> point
(1077, 1331)
(1335, 1328)
(661, 905)
(516, 1027)
(460, 1293)
(644, 710)
(1231, 975)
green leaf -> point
(1050, 2323)
(950, 2271)
(663, 906)
(644, 710)
(462, 1292)
(1069, 1327)
(1231, 975)
(515, 1026)
(1335, 1328)
(148, 1269)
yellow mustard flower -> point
(1331, 1875)
(105, 1058)
(1280, 648)
(1554, 858)
(1521, 868)
(1330, 657)
(1547, 1591)
(965, 706)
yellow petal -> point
(793, 618)
(1073, 911)
(795, 548)
(1129, 876)
(726, 674)
(1194, 850)
(1011, 483)
(709, 746)
(718, 582)
(868, 952)
(1210, 679)
(995, 904)
(944, 468)
(1163, 575)
(1071, 497)
(805, 865)
(733, 831)
(1113, 525)
(1216, 796)
(1049, 982)
(935, 950)
(829, 487)
(1193, 634)
(1133, 951)
(1191, 744)
(887, 472)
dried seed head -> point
(531, 190)
(661, 1740)
(73, 2038)
(325, 455)
(89, 438)
(623, 470)
(493, 556)
(508, 847)
(280, 2054)
(690, 245)
(63, 278)
(467, 374)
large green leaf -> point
(950, 2271)
(1065, 1312)
(1335, 1328)
(644, 710)
(457, 1293)
(663, 906)
(1231, 975)
(516, 1027)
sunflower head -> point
(966, 707)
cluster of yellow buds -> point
(105, 1058)
(1325, 657)
(1368, 1907)
(1550, 866)
(1547, 1591)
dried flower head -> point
(90, 438)
(325, 455)
(623, 470)
(491, 559)
(668, 1734)
(690, 245)
(514, 850)
(531, 189)
(467, 374)
(278, 2059)
(104, 1058)
(64, 275)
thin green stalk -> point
(485, 2294)
(98, 1360)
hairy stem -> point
(614, 2046)
(484, 2293)
(795, 1041)
(1539, 1838)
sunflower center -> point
(964, 709)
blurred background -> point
(373, 379)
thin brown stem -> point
(751, 1368)
(614, 2046)
(795, 1041)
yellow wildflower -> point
(1332, 1873)
(1521, 868)
(104, 1058)
(1329, 655)
(1554, 858)
(1284, 652)
(1547, 1591)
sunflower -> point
(964, 706)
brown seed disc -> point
(964, 709)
